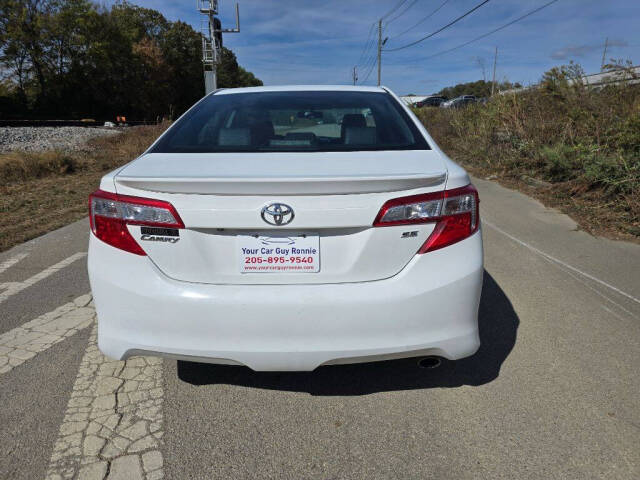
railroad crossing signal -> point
(211, 31)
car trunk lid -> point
(335, 197)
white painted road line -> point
(594, 290)
(113, 424)
(10, 262)
(11, 288)
(25, 342)
(560, 262)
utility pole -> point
(379, 49)
(211, 31)
(355, 75)
(604, 53)
(381, 43)
(493, 82)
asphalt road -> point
(552, 393)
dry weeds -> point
(572, 148)
(40, 192)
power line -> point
(369, 72)
(536, 10)
(440, 29)
(369, 61)
(370, 65)
(370, 42)
(393, 9)
(402, 12)
(366, 44)
(422, 20)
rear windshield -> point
(293, 121)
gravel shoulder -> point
(41, 139)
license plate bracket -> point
(263, 253)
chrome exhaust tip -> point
(429, 362)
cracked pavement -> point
(113, 423)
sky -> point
(286, 42)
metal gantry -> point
(211, 31)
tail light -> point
(110, 213)
(455, 213)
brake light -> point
(454, 211)
(110, 213)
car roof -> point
(301, 88)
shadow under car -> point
(498, 324)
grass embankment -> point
(40, 192)
(573, 148)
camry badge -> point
(277, 214)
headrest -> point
(360, 136)
(265, 126)
(354, 120)
(234, 137)
(262, 132)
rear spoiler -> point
(294, 185)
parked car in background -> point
(459, 102)
(434, 101)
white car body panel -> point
(373, 298)
(430, 308)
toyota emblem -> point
(277, 214)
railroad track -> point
(65, 123)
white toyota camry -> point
(284, 228)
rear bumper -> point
(429, 308)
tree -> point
(74, 58)
(480, 88)
(560, 79)
(182, 50)
(22, 28)
(138, 22)
(230, 74)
